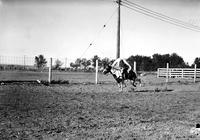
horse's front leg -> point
(120, 85)
(124, 83)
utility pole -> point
(118, 29)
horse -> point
(117, 74)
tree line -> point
(144, 63)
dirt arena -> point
(83, 110)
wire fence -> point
(28, 63)
(24, 68)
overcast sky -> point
(65, 28)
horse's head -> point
(107, 69)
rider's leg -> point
(125, 73)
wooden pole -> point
(24, 61)
(182, 73)
(158, 73)
(65, 63)
(50, 70)
(96, 77)
(134, 67)
(167, 73)
(118, 29)
(195, 72)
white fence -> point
(178, 73)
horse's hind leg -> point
(139, 81)
(121, 87)
(133, 82)
(124, 83)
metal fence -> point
(28, 63)
(23, 68)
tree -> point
(176, 61)
(197, 62)
(58, 64)
(73, 65)
(81, 63)
(94, 60)
(40, 61)
(144, 63)
(85, 62)
(158, 61)
(105, 62)
(78, 62)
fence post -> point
(96, 77)
(24, 61)
(66, 63)
(167, 73)
(158, 73)
(50, 72)
(195, 72)
(182, 73)
(134, 66)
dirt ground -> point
(77, 111)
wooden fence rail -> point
(179, 73)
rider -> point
(122, 65)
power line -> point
(156, 15)
(161, 15)
(161, 19)
(99, 32)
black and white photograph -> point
(99, 69)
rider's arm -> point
(129, 66)
(115, 63)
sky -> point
(65, 28)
